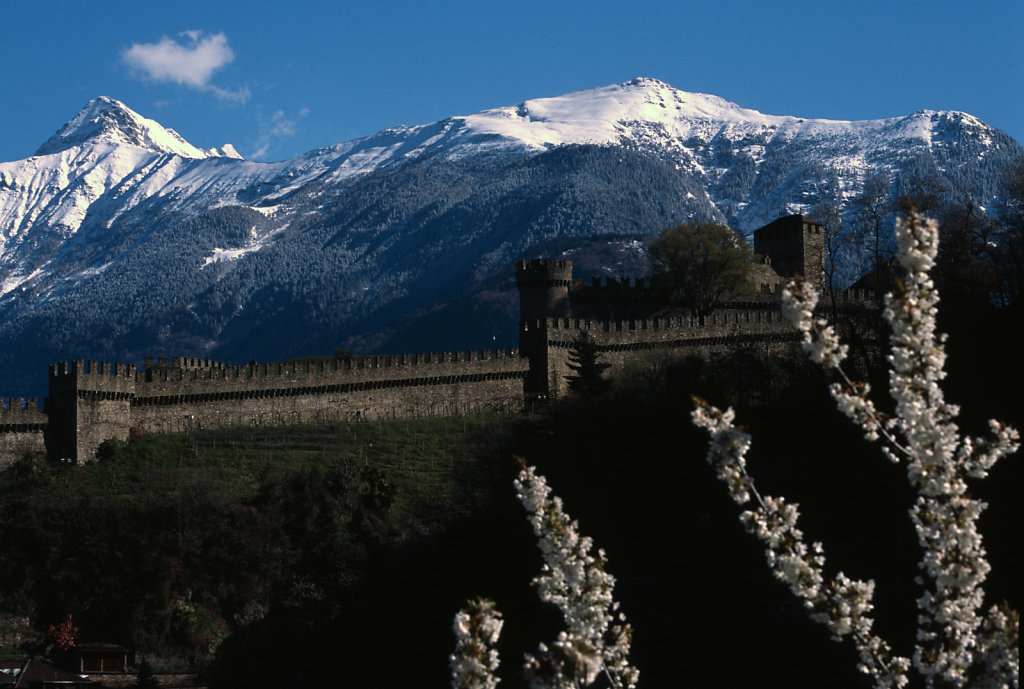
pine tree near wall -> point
(587, 379)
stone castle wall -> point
(794, 245)
(634, 322)
(22, 429)
(627, 343)
(321, 392)
(90, 401)
(631, 320)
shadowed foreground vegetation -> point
(337, 555)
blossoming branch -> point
(956, 644)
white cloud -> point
(279, 127)
(189, 63)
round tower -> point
(543, 295)
(543, 289)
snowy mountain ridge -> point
(120, 226)
(111, 121)
(604, 115)
(619, 113)
(107, 143)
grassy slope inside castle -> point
(338, 554)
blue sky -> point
(276, 79)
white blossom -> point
(596, 638)
(475, 660)
(819, 338)
(955, 643)
(842, 604)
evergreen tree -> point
(588, 373)
(145, 678)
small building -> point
(100, 659)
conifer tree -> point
(145, 677)
(588, 373)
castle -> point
(90, 402)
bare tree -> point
(873, 209)
(1010, 242)
(968, 253)
(829, 212)
(925, 195)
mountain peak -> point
(105, 120)
(636, 109)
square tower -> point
(794, 245)
(87, 405)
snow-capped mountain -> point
(119, 239)
(109, 121)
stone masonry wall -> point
(22, 428)
(362, 389)
(91, 402)
(627, 343)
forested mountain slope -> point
(119, 239)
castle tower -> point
(543, 288)
(543, 294)
(87, 405)
(796, 246)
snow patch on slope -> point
(225, 255)
(254, 244)
(13, 282)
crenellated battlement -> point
(592, 296)
(634, 319)
(16, 404)
(21, 410)
(92, 401)
(187, 363)
(170, 398)
(790, 226)
(81, 369)
(22, 426)
(305, 372)
(719, 324)
(857, 296)
(623, 343)
(612, 284)
(317, 366)
(543, 287)
(629, 318)
(718, 318)
(543, 271)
